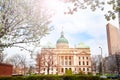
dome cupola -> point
(62, 42)
(62, 39)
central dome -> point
(62, 42)
(62, 39)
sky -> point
(82, 26)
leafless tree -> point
(2, 56)
(48, 56)
(110, 64)
(96, 59)
(15, 61)
(94, 63)
(19, 61)
(40, 62)
(23, 63)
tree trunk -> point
(48, 69)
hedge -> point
(54, 77)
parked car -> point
(103, 76)
(114, 77)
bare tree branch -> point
(21, 23)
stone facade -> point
(62, 58)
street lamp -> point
(101, 61)
(118, 3)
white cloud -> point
(83, 21)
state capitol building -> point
(59, 59)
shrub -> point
(68, 72)
(81, 73)
(54, 77)
(90, 73)
(12, 78)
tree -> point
(45, 60)
(14, 60)
(40, 62)
(2, 56)
(23, 63)
(111, 64)
(48, 59)
(117, 57)
(19, 62)
(96, 63)
(21, 22)
(93, 5)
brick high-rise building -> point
(113, 38)
(112, 62)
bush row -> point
(54, 77)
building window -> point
(62, 70)
(62, 62)
(65, 57)
(65, 62)
(79, 57)
(79, 63)
(87, 69)
(86, 57)
(62, 57)
(69, 62)
(69, 57)
(83, 63)
(79, 69)
(83, 69)
(44, 69)
(65, 69)
(87, 63)
(83, 57)
(70, 69)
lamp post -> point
(101, 61)
(118, 3)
